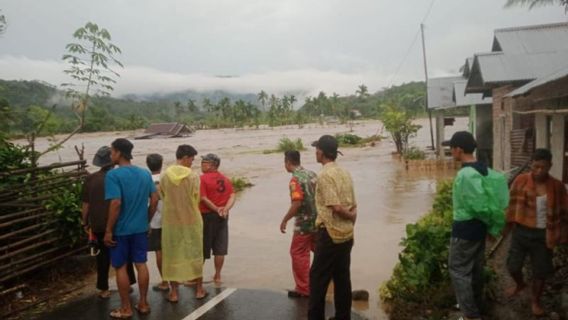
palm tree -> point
(191, 106)
(207, 105)
(285, 109)
(274, 112)
(262, 97)
(322, 104)
(292, 100)
(240, 113)
(3, 23)
(534, 3)
(178, 109)
(225, 108)
(362, 92)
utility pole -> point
(426, 76)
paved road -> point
(222, 303)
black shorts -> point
(532, 242)
(215, 235)
(155, 240)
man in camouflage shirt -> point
(303, 209)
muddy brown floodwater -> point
(388, 199)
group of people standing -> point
(179, 214)
(534, 210)
(183, 217)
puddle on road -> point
(388, 197)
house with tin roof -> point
(524, 75)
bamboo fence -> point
(29, 239)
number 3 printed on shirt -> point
(221, 186)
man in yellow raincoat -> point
(182, 225)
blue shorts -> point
(131, 248)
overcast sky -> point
(275, 45)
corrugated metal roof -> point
(520, 55)
(518, 67)
(466, 69)
(563, 73)
(440, 92)
(498, 67)
(462, 99)
(532, 39)
(171, 128)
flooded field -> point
(388, 198)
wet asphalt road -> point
(222, 303)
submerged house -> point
(168, 130)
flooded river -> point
(388, 199)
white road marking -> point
(210, 304)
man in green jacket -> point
(480, 197)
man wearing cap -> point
(94, 216)
(480, 197)
(129, 188)
(336, 214)
(182, 224)
(217, 199)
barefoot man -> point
(182, 225)
(217, 199)
(538, 216)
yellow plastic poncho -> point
(182, 225)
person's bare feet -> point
(514, 291)
(217, 279)
(173, 297)
(537, 309)
(190, 283)
(142, 308)
(201, 294)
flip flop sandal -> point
(142, 311)
(158, 288)
(117, 314)
(104, 296)
(203, 297)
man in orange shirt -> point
(538, 217)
